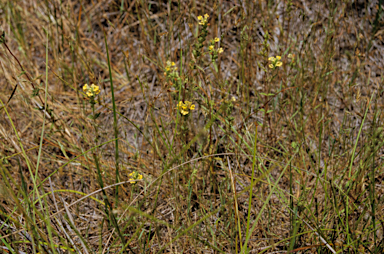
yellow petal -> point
(192, 107)
(211, 47)
(271, 66)
(278, 57)
(271, 59)
(85, 87)
(217, 39)
(184, 112)
(278, 64)
(221, 50)
(200, 17)
(206, 16)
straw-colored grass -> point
(211, 127)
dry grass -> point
(281, 160)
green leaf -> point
(35, 92)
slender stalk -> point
(114, 122)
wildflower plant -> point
(203, 22)
(171, 70)
(212, 49)
(171, 73)
(91, 91)
(265, 46)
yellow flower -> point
(216, 39)
(170, 67)
(220, 50)
(134, 176)
(210, 48)
(188, 104)
(91, 90)
(275, 62)
(184, 107)
(203, 20)
(95, 89)
(233, 98)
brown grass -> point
(306, 137)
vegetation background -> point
(287, 159)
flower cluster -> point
(214, 52)
(275, 62)
(134, 176)
(170, 69)
(184, 107)
(92, 90)
(203, 20)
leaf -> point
(63, 150)
(35, 92)
(94, 117)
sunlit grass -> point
(191, 127)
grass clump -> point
(191, 127)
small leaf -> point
(94, 117)
(35, 92)
(63, 150)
